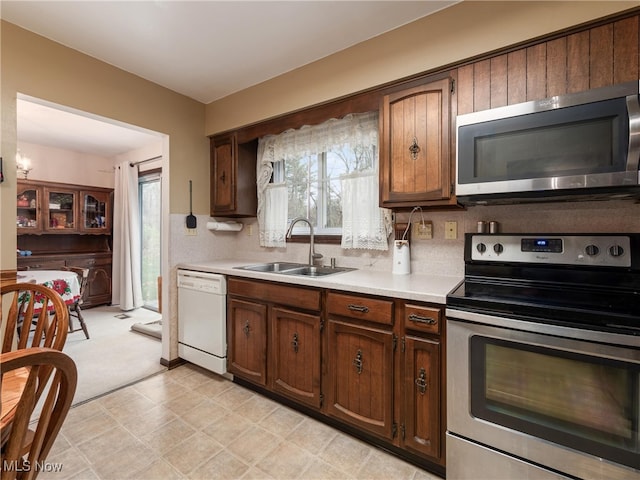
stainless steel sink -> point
(290, 268)
(308, 271)
(275, 267)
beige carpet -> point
(114, 356)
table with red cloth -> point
(64, 282)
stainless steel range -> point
(543, 358)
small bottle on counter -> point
(494, 227)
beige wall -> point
(38, 67)
(462, 31)
(35, 66)
(59, 165)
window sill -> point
(318, 239)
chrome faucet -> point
(313, 256)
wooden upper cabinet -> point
(95, 211)
(60, 208)
(233, 177)
(60, 205)
(415, 151)
(29, 208)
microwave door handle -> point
(633, 155)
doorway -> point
(68, 146)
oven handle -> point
(618, 339)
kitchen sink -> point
(308, 271)
(272, 267)
(290, 268)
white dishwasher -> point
(202, 319)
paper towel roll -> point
(224, 226)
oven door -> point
(542, 396)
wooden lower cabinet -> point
(247, 322)
(99, 284)
(274, 337)
(360, 377)
(420, 428)
(370, 364)
(296, 355)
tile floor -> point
(189, 424)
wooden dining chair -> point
(54, 375)
(37, 317)
(75, 309)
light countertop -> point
(415, 286)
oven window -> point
(583, 402)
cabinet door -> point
(29, 211)
(247, 327)
(95, 212)
(421, 397)
(360, 377)
(415, 152)
(233, 177)
(223, 195)
(60, 208)
(296, 355)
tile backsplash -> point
(438, 255)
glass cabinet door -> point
(95, 211)
(28, 218)
(60, 206)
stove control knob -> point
(592, 250)
(498, 248)
(481, 247)
(616, 251)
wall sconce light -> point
(23, 164)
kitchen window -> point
(327, 173)
(314, 186)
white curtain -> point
(354, 130)
(272, 199)
(126, 286)
(364, 224)
(276, 212)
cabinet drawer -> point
(41, 264)
(362, 308)
(424, 319)
(88, 262)
(281, 294)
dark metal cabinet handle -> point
(357, 362)
(223, 177)
(246, 328)
(358, 308)
(294, 343)
(420, 319)
(421, 381)
(414, 149)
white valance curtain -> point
(126, 283)
(354, 130)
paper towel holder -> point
(230, 226)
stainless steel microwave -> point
(572, 147)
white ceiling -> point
(42, 123)
(205, 49)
